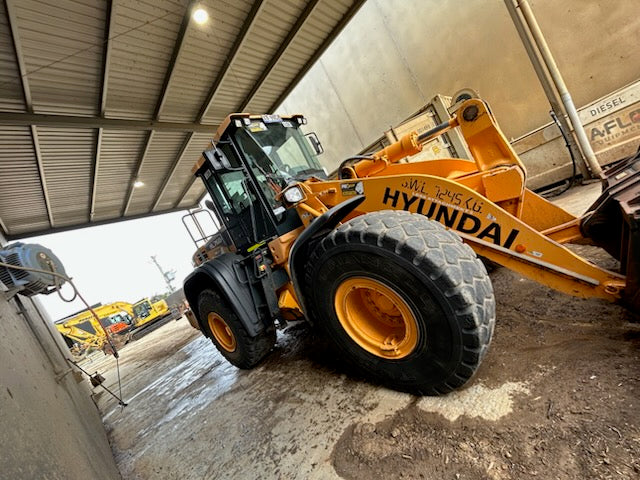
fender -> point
(320, 227)
(222, 274)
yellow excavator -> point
(384, 258)
(145, 312)
(148, 316)
(83, 334)
(122, 320)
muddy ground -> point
(556, 398)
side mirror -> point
(315, 142)
(209, 204)
(217, 159)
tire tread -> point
(449, 262)
(254, 349)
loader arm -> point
(484, 200)
(489, 229)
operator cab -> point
(251, 160)
(142, 309)
(117, 322)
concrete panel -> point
(316, 98)
(50, 426)
(451, 45)
(396, 54)
(370, 75)
(595, 43)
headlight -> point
(293, 195)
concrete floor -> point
(577, 200)
(561, 373)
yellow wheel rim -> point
(221, 332)
(376, 317)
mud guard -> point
(315, 231)
(223, 274)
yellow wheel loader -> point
(384, 259)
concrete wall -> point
(50, 426)
(395, 55)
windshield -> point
(277, 153)
(120, 317)
(142, 309)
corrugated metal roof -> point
(119, 153)
(56, 29)
(121, 65)
(11, 97)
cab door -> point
(239, 207)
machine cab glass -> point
(253, 162)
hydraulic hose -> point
(570, 181)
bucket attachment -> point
(613, 223)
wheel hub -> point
(221, 331)
(376, 317)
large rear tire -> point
(229, 335)
(403, 300)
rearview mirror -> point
(315, 142)
(209, 204)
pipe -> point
(565, 96)
(552, 96)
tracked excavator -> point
(384, 259)
(83, 334)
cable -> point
(99, 382)
(59, 292)
(571, 181)
(119, 382)
(112, 349)
(75, 290)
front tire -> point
(403, 300)
(229, 335)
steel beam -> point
(314, 58)
(71, 121)
(174, 167)
(134, 178)
(177, 47)
(17, 47)
(185, 192)
(306, 13)
(110, 17)
(67, 228)
(22, 68)
(106, 55)
(228, 63)
(43, 180)
(94, 175)
(5, 230)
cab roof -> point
(230, 121)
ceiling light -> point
(200, 16)
(138, 184)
